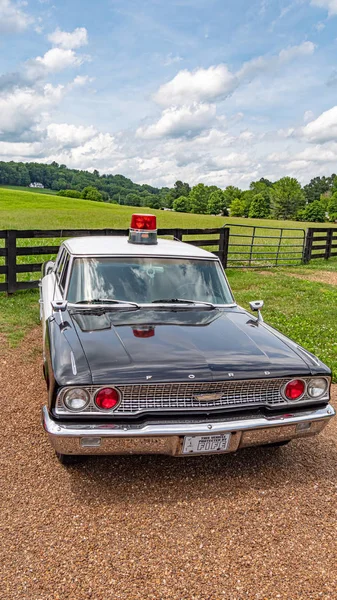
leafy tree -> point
(133, 200)
(237, 208)
(332, 205)
(324, 200)
(287, 198)
(264, 187)
(154, 202)
(318, 186)
(92, 193)
(247, 197)
(230, 193)
(265, 181)
(70, 193)
(181, 204)
(259, 207)
(199, 199)
(313, 212)
(217, 203)
(181, 189)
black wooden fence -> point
(320, 243)
(246, 248)
(13, 248)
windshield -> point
(146, 280)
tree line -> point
(282, 199)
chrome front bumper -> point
(113, 438)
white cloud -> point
(264, 64)
(308, 116)
(322, 129)
(69, 40)
(12, 18)
(82, 80)
(65, 135)
(201, 85)
(22, 109)
(171, 59)
(180, 121)
(52, 61)
(304, 49)
(329, 5)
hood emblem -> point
(208, 397)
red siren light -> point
(143, 332)
(148, 222)
(143, 229)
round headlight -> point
(76, 399)
(317, 387)
(295, 389)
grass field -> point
(20, 188)
(31, 210)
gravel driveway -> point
(260, 524)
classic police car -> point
(146, 351)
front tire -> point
(68, 459)
(277, 444)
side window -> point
(63, 277)
(60, 263)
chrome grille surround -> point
(175, 397)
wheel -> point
(68, 459)
(277, 444)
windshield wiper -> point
(182, 301)
(107, 301)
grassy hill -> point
(33, 210)
(20, 188)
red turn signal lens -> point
(147, 222)
(294, 389)
(107, 398)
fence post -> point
(11, 260)
(308, 245)
(328, 243)
(178, 234)
(223, 246)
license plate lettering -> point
(203, 444)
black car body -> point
(129, 372)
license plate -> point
(203, 444)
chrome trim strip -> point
(116, 430)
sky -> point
(219, 92)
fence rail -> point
(313, 250)
(255, 246)
(237, 246)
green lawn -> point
(31, 210)
(20, 188)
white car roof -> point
(117, 245)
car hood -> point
(182, 345)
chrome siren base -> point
(113, 438)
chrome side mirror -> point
(256, 305)
(59, 305)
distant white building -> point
(36, 184)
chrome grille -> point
(174, 397)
